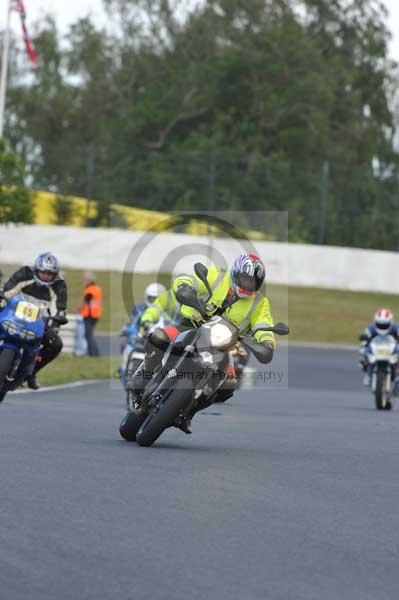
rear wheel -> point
(6, 359)
(156, 422)
(130, 425)
(381, 395)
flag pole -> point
(4, 68)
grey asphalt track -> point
(284, 494)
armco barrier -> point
(287, 264)
(71, 335)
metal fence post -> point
(324, 203)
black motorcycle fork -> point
(17, 362)
(166, 384)
(209, 379)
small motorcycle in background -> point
(133, 350)
(22, 325)
(382, 355)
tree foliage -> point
(15, 199)
(231, 104)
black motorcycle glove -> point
(270, 348)
(56, 321)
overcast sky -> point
(67, 11)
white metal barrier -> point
(286, 264)
(72, 335)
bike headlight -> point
(28, 334)
(10, 327)
(220, 335)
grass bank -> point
(313, 314)
(71, 368)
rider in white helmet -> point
(151, 293)
(383, 324)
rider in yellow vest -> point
(235, 295)
(165, 304)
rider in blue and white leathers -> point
(383, 324)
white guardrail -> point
(116, 250)
(72, 335)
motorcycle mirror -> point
(281, 329)
(188, 298)
(201, 272)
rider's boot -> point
(184, 424)
(32, 382)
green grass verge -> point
(72, 368)
(332, 316)
(313, 314)
(114, 311)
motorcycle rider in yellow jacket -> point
(164, 305)
(235, 296)
(248, 309)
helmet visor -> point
(46, 276)
(246, 282)
(384, 326)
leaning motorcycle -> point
(22, 326)
(194, 367)
(382, 357)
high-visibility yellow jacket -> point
(249, 314)
(165, 305)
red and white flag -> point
(19, 7)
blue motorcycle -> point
(22, 325)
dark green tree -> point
(228, 105)
(15, 198)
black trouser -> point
(51, 347)
(92, 348)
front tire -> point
(381, 391)
(130, 425)
(156, 422)
(6, 359)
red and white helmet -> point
(383, 320)
(247, 274)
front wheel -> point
(381, 395)
(156, 422)
(6, 359)
(130, 425)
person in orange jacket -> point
(91, 310)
